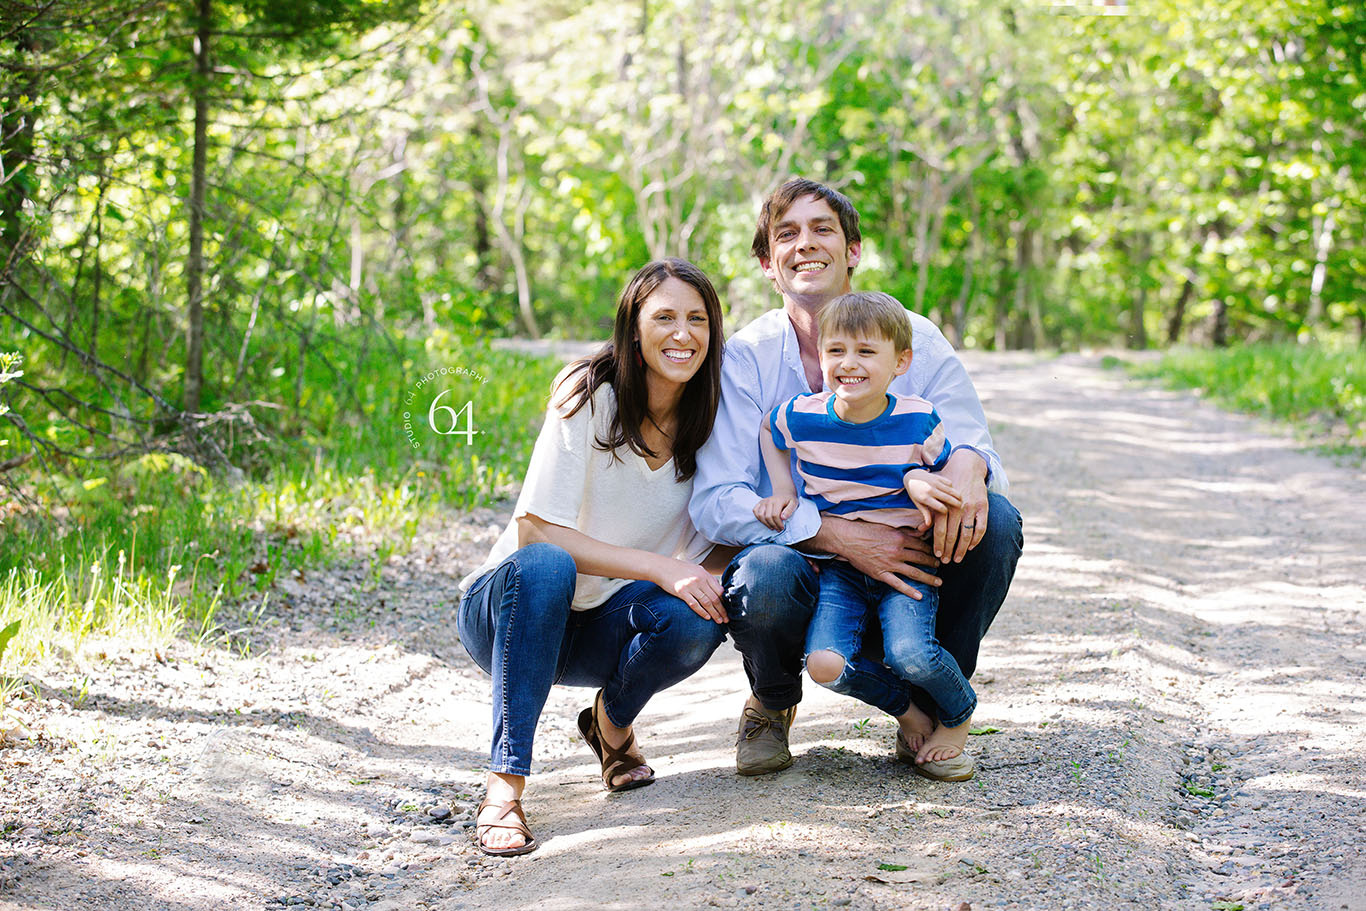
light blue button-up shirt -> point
(762, 369)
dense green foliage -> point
(240, 232)
(1029, 174)
(1322, 392)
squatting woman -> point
(599, 580)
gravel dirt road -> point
(1172, 703)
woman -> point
(598, 581)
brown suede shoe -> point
(761, 746)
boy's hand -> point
(775, 511)
(933, 494)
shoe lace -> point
(756, 723)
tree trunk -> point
(519, 269)
(16, 153)
(1025, 308)
(1138, 300)
(1219, 333)
(342, 317)
(1178, 317)
(1036, 298)
(1001, 334)
(69, 319)
(928, 231)
(1323, 244)
(483, 244)
(95, 285)
(194, 269)
(140, 371)
(510, 240)
(1138, 335)
(896, 231)
(957, 325)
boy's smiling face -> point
(858, 367)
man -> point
(808, 243)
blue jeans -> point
(516, 624)
(849, 601)
(771, 593)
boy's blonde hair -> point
(865, 311)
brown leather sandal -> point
(512, 808)
(615, 760)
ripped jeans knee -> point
(828, 668)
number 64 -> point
(453, 419)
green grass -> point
(1320, 390)
(157, 546)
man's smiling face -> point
(810, 258)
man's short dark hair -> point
(793, 189)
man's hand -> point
(961, 528)
(878, 551)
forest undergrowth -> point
(155, 545)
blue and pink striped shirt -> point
(856, 471)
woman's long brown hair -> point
(616, 364)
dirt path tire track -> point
(1176, 679)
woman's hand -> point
(693, 585)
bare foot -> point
(501, 789)
(944, 743)
(614, 737)
(915, 726)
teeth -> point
(809, 267)
(677, 354)
(851, 380)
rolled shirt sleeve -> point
(731, 476)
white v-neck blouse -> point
(618, 500)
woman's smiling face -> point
(673, 331)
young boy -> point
(866, 454)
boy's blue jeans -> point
(849, 603)
(516, 624)
(771, 593)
